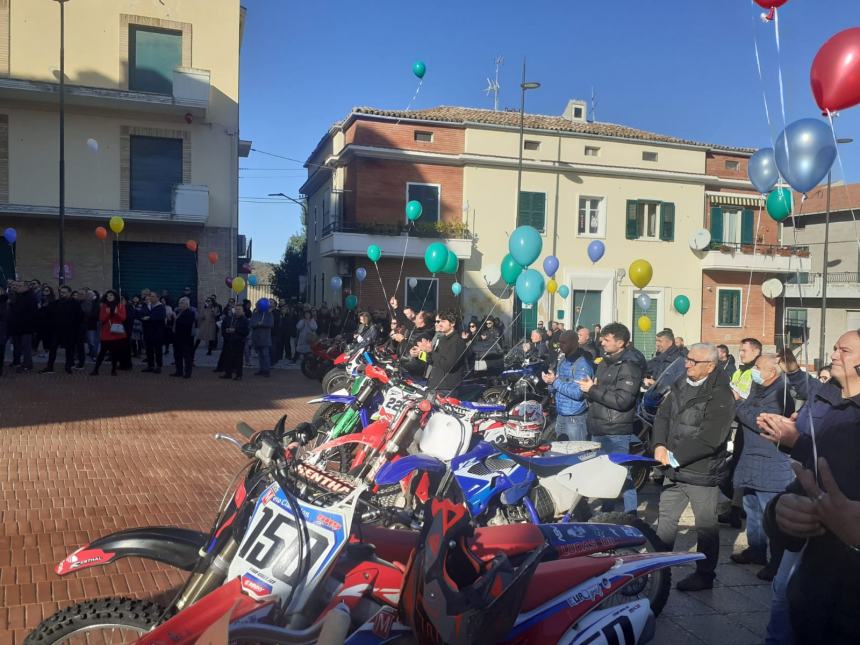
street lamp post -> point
(61, 271)
(304, 206)
(822, 343)
(524, 87)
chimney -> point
(576, 110)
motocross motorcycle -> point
(321, 358)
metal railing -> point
(419, 229)
(842, 277)
(760, 249)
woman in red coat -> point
(111, 330)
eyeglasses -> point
(438, 321)
(693, 361)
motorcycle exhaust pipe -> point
(201, 584)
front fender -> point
(334, 398)
(174, 546)
(395, 471)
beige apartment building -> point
(151, 135)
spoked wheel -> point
(309, 367)
(112, 621)
(640, 474)
(495, 395)
(655, 586)
(336, 379)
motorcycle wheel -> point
(655, 586)
(324, 420)
(309, 367)
(111, 620)
(640, 474)
(335, 379)
(496, 394)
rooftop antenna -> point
(493, 85)
(593, 109)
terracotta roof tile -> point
(842, 198)
(453, 114)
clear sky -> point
(679, 67)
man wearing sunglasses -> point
(691, 430)
(445, 356)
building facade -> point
(151, 135)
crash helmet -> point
(525, 424)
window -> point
(315, 225)
(153, 55)
(155, 168)
(732, 226)
(577, 112)
(592, 151)
(591, 217)
(531, 145)
(649, 156)
(729, 307)
(650, 220)
(532, 210)
(424, 296)
(733, 165)
(796, 329)
(426, 137)
(428, 196)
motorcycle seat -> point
(554, 578)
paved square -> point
(84, 456)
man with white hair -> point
(691, 430)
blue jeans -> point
(571, 428)
(619, 443)
(265, 357)
(755, 502)
(779, 630)
(93, 343)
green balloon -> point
(779, 204)
(413, 210)
(451, 263)
(436, 257)
(374, 253)
(682, 305)
(511, 269)
(351, 302)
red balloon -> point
(191, 245)
(213, 257)
(101, 232)
(835, 74)
(770, 4)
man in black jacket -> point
(612, 399)
(22, 323)
(234, 343)
(154, 316)
(65, 317)
(667, 353)
(445, 356)
(691, 430)
(422, 329)
(586, 344)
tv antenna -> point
(493, 85)
(593, 105)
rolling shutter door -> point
(155, 266)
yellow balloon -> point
(238, 284)
(644, 323)
(641, 273)
(117, 224)
(552, 286)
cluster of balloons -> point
(10, 235)
(641, 272)
(438, 258)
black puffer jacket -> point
(612, 398)
(694, 423)
(658, 364)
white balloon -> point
(93, 145)
(492, 274)
(413, 282)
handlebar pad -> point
(244, 429)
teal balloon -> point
(436, 257)
(525, 245)
(563, 291)
(530, 286)
(510, 269)
(779, 204)
(451, 263)
(252, 280)
(351, 302)
(419, 68)
(374, 253)
(456, 288)
(413, 210)
(682, 304)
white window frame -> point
(733, 212)
(422, 132)
(740, 308)
(644, 228)
(601, 215)
(733, 164)
(419, 278)
(528, 142)
(439, 193)
(646, 154)
(596, 150)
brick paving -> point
(83, 456)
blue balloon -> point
(252, 280)
(360, 274)
(644, 301)
(456, 288)
(550, 265)
(11, 235)
(529, 286)
(525, 245)
(263, 304)
(762, 170)
(596, 249)
(563, 291)
(336, 282)
(810, 153)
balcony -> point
(190, 95)
(767, 258)
(353, 238)
(839, 285)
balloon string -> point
(118, 270)
(755, 246)
(477, 333)
(842, 172)
(581, 306)
(403, 259)
(435, 281)
(781, 89)
(385, 295)
(412, 100)
(761, 78)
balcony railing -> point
(842, 277)
(446, 230)
(760, 249)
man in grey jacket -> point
(262, 323)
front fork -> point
(201, 583)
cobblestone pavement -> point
(83, 456)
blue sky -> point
(678, 67)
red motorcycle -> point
(321, 358)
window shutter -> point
(539, 211)
(716, 224)
(747, 227)
(524, 210)
(633, 232)
(667, 222)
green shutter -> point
(532, 210)
(153, 55)
(632, 230)
(156, 266)
(667, 222)
(747, 227)
(716, 224)
(729, 312)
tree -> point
(285, 275)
